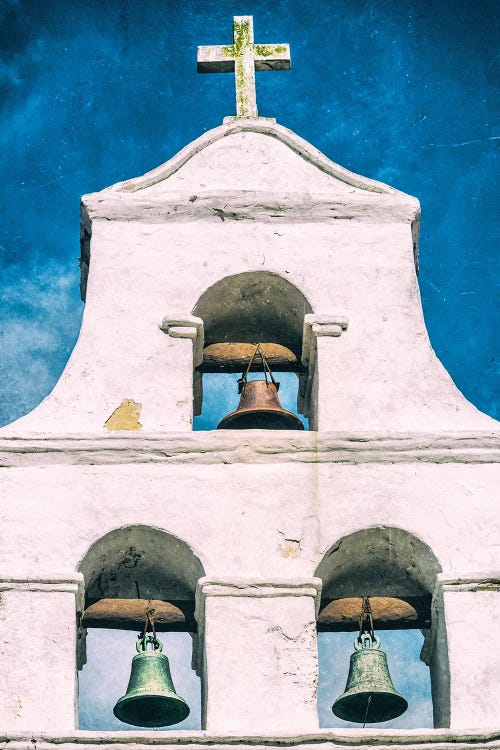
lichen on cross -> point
(244, 58)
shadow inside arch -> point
(140, 562)
(379, 561)
(254, 306)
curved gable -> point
(251, 155)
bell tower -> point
(251, 539)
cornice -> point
(249, 447)
(418, 739)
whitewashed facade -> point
(251, 525)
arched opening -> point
(397, 571)
(127, 572)
(239, 312)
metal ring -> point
(142, 641)
(366, 641)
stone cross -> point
(244, 58)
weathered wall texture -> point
(239, 531)
(398, 457)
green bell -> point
(369, 695)
(150, 700)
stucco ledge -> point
(421, 739)
(248, 446)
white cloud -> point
(39, 322)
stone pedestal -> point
(260, 656)
(38, 653)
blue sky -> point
(403, 92)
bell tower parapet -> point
(244, 242)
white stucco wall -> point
(37, 654)
(241, 531)
(53, 513)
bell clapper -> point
(369, 694)
(367, 709)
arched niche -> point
(240, 311)
(140, 559)
(398, 571)
(126, 572)
(381, 560)
(251, 307)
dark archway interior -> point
(378, 561)
(140, 560)
(135, 568)
(252, 307)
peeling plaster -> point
(125, 417)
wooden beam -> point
(389, 613)
(336, 615)
(234, 357)
(130, 614)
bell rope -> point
(149, 623)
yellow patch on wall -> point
(289, 548)
(125, 417)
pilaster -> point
(259, 654)
(188, 384)
(318, 353)
(467, 606)
(38, 651)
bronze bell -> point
(150, 700)
(260, 409)
(369, 694)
